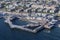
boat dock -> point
(43, 24)
(50, 24)
(22, 27)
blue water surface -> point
(6, 33)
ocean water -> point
(6, 33)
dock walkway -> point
(21, 27)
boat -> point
(32, 25)
(48, 26)
(59, 25)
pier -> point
(42, 23)
(50, 24)
(22, 27)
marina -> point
(22, 27)
(40, 17)
(39, 25)
(29, 19)
(17, 34)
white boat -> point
(54, 21)
(58, 25)
(51, 22)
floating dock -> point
(43, 24)
(50, 24)
(23, 27)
